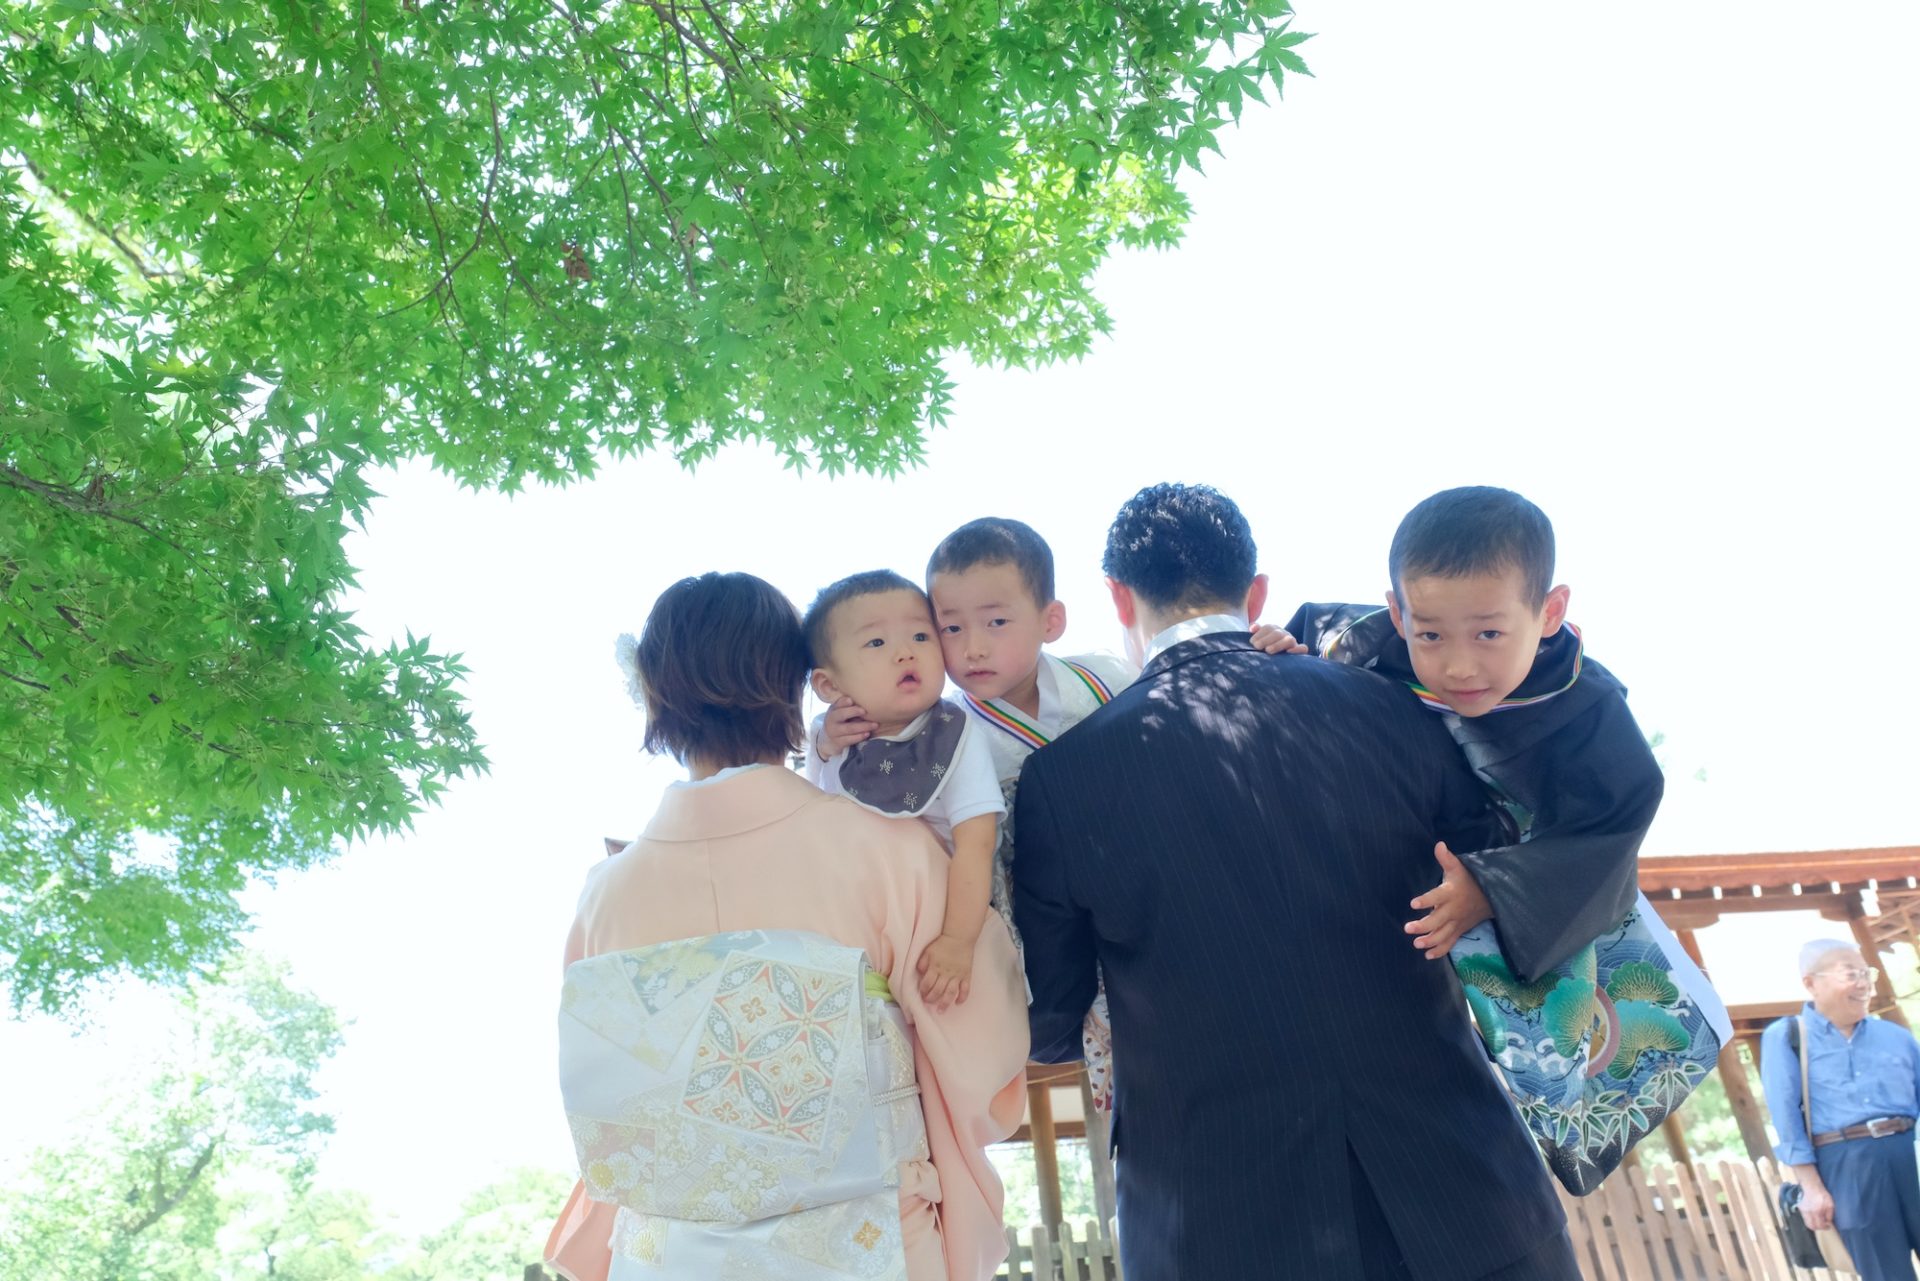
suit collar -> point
(1188, 628)
(1197, 647)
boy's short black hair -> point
(1182, 547)
(995, 540)
(1476, 529)
(819, 620)
(722, 664)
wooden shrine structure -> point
(1873, 893)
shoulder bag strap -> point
(1806, 1100)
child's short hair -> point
(1476, 529)
(818, 623)
(1182, 546)
(995, 540)
(721, 664)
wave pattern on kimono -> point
(1597, 1041)
(1602, 1049)
(746, 1100)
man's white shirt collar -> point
(1189, 628)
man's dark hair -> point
(819, 620)
(1182, 547)
(995, 540)
(722, 664)
(1474, 530)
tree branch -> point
(164, 1205)
(67, 202)
(670, 14)
(480, 229)
(70, 501)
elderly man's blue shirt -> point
(1873, 1073)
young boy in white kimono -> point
(991, 582)
(872, 646)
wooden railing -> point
(1688, 1222)
(1695, 1222)
(1060, 1255)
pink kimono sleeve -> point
(971, 1060)
(578, 1248)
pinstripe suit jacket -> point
(1236, 839)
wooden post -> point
(1105, 1199)
(1882, 986)
(1733, 1076)
(1046, 1152)
(1676, 1136)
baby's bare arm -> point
(946, 967)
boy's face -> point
(884, 655)
(991, 628)
(1473, 640)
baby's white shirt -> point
(971, 787)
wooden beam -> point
(1895, 864)
(1751, 1020)
(1676, 1136)
(1741, 1098)
(1887, 1006)
(1775, 898)
(1733, 1073)
(1046, 1152)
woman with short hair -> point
(745, 845)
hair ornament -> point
(626, 652)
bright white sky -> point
(1654, 267)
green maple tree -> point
(250, 252)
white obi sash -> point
(746, 1100)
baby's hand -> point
(1455, 906)
(946, 971)
(846, 724)
(1269, 639)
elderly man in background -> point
(1856, 1169)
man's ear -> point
(1256, 597)
(1053, 621)
(1555, 611)
(1393, 612)
(823, 687)
(1124, 604)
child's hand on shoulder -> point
(946, 971)
(1454, 906)
(846, 724)
(1269, 639)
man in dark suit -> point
(1236, 839)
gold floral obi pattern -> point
(747, 1100)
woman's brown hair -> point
(722, 662)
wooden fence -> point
(1693, 1222)
(1689, 1222)
(1060, 1255)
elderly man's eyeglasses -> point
(1852, 974)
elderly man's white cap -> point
(1813, 953)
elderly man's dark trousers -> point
(1876, 1202)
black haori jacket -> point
(1566, 760)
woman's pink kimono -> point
(765, 849)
